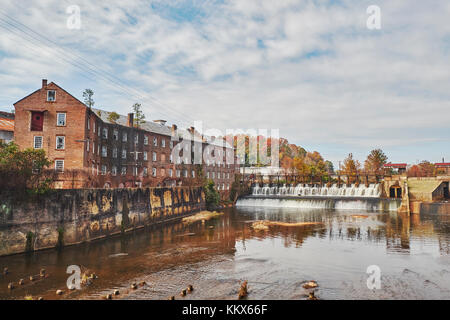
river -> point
(412, 254)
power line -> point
(117, 83)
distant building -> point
(442, 168)
(90, 149)
(396, 167)
(6, 127)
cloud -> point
(310, 68)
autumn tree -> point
(351, 167)
(139, 116)
(423, 169)
(88, 100)
(375, 161)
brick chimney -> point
(130, 120)
(44, 83)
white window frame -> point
(145, 171)
(114, 153)
(104, 151)
(58, 114)
(105, 133)
(41, 142)
(145, 156)
(104, 170)
(123, 171)
(48, 95)
(114, 171)
(155, 141)
(154, 172)
(163, 143)
(124, 137)
(116, 134)
(154, 157)
(56, 165)
(145, 140)
(124, 153)
(64, 143)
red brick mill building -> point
(89, 150)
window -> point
(105, 133)
(61, 119)
(178, 173)
(185, 173)
(154, 156)
(116, 134)
(38, 142)
(193, 174)
(155, 142)
(59, 165)
(124, 137)
(136, 139)
(170, 172)
(99, 131)
(218, 175)
(89, 124)
(145, 155)
(93, 147)
(135, 171)
(163, 143)
(51, 95)
(114, 170)
(114, 153)
(145, 171)
(87, 145)
(94, 127)
(154, 172)
(146, 140)
(124, 153)
(171, 158)
(171, 144)
(104, 151)
(136, 155)
(124, 171)
(213, 175)
(207, 175)
(60, 142)
(93, 169)
(37, 121)
(103, 170)
(98, 149)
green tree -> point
(212, 196)
(375, 161)
(113, 117)
(23, 169)
(88, 100)
(139, 116)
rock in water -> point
(243, 291)
(190, 288)
(310, 285)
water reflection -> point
(412, 252)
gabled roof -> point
(442, 164)
(395, 165)
(51, 83)
(6, 124)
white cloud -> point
(310, 68)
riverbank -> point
(69, 217)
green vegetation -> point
(29, 246)
(212, 197)
(88, 100)
(23, 171)
(113, 117)
(139, 116)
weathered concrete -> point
(67, 217)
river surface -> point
(216, 256)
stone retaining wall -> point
(67, 217)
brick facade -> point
(90, 151)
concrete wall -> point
(69, 217)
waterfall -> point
(312, 190)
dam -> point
(311, 196)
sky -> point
(312, 69)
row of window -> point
(212, 175)
(103, 133)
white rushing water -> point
(304, 196)
(372, 191)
